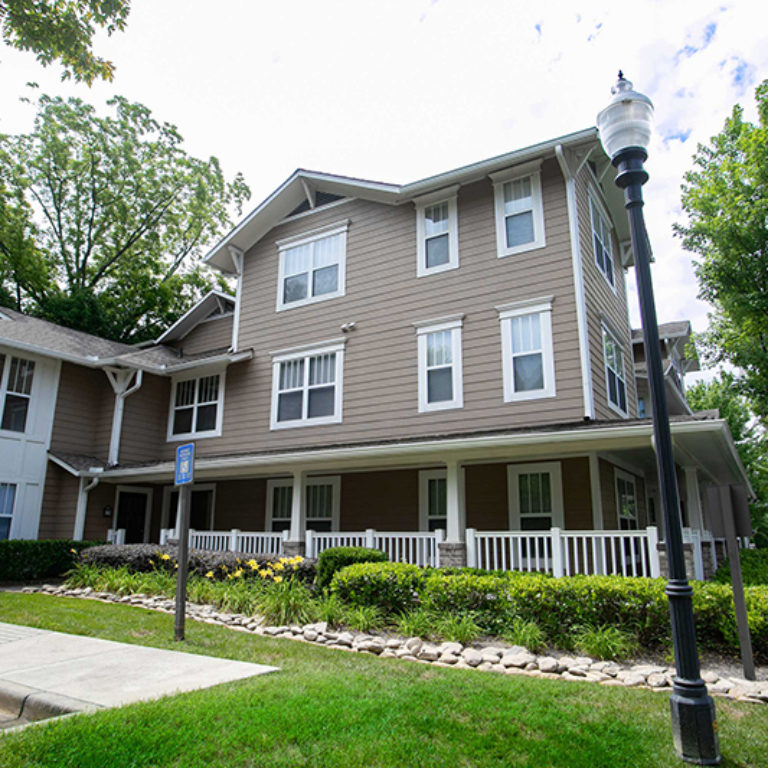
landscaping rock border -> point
(513, 660)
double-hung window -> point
(626, 501)
(312, 266)
(432, 500)
(15, 392)
(437, 231)
(601, 240)
(196, 407)
(307, 386)
(535, 493)
(322, 500)
(615, 379)
(519, 209)
(7, 499)
(527, 353)
(440, 375)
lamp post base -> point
(694, 729)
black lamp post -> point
(625, 130)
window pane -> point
(536, 524)
(439, 351)
(325, 280)
(526, 333)
(519, 229)
(321, 402)
(297, 259)
(436, 523)
(20, 376)
(7, 496)
(289, 406)
(185, 392)
(182, 421)
(524, 486)
(436, 219)
(319, 501)
(295, 288)
(546, 494)
(436, 497)
(439, 385)
(291, 374)
(327, 251)
(528, 372)
(517, 195)
(282, 499)
(622, 401)
(208, 390)
(5, 527)
(437, 251)
(322, 369)
(206, 418)
(15, 413)
(278, 526)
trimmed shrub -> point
(22, 559)
(754, 568)
(391, 587)
(142, 558)
(335, 558)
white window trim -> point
(282, 357)
(554, 469)
(10, 354)
(425, 475)
(12, 515)
(143, 489)
(286, 482)
(452, 324)
(339, 228)
(216, 432)
(448, 196)
(596, 204)
(165, 511)
(542, 307)
(613, 406)
(533, 170)
(627, 478)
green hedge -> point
(558, 606)
(335, 558)
(22, 559)
(754, 568)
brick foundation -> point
(664, 565)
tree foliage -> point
(63, 30)
(725, 197)
(120, 215)
(750, 438)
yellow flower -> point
(237, 574)
(151, 561)
(278, 566)
(165, 556)
(73, 550)
(278, 579)
(238, 560)
(224, 568)
(209, 575)
(263, 574)
(269, 573)
(253, 564)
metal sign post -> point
(185, 475)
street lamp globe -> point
(627, 121)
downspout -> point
(237, 260)
(82, 506)
(119, 379)
(578, 280)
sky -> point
(398, 90)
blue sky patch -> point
(680, 135)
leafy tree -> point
(751, 442)
(63, 30)
(121, 212)
(726, 199)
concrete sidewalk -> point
(44, 674)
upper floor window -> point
(312, 266)
(307, 387)
(7, 499)
(519, 209)
(601, 239)
(437, 231)
(527, 353)
(196, 407)
(15, 389)
(626, 501)
(440, 375)
(616, 383)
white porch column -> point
(298, 508)
(82, 506)
(693, 499)
(456, 519)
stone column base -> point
(293, 548)
(664, 562)
(453, 554)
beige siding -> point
(96, 525)
(145, 420)
(83, 419)
(603, 301)
(57, 514)
(485, 490)
(215, 333)
(384, 297)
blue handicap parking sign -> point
(185, 464)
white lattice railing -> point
(565, 553)
(409, 547)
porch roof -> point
(699, 440)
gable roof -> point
(302, 185)
(213, 303)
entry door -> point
(132, 515)
(201, 506)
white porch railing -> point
(248, 542)
(418, 548)
(116, 536)
(566, 553)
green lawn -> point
(330, 708)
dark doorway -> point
(132, 515)
(200, 511)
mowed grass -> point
(331, 708)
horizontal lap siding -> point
(577, 494)
(96, 525)
(210, 334)
(384, 298)
(57, 514)
(601, 299)
(145, 421)
(386, 501)
(83, 420)
(241, 504)
(485, 491)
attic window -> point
(321, 199)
